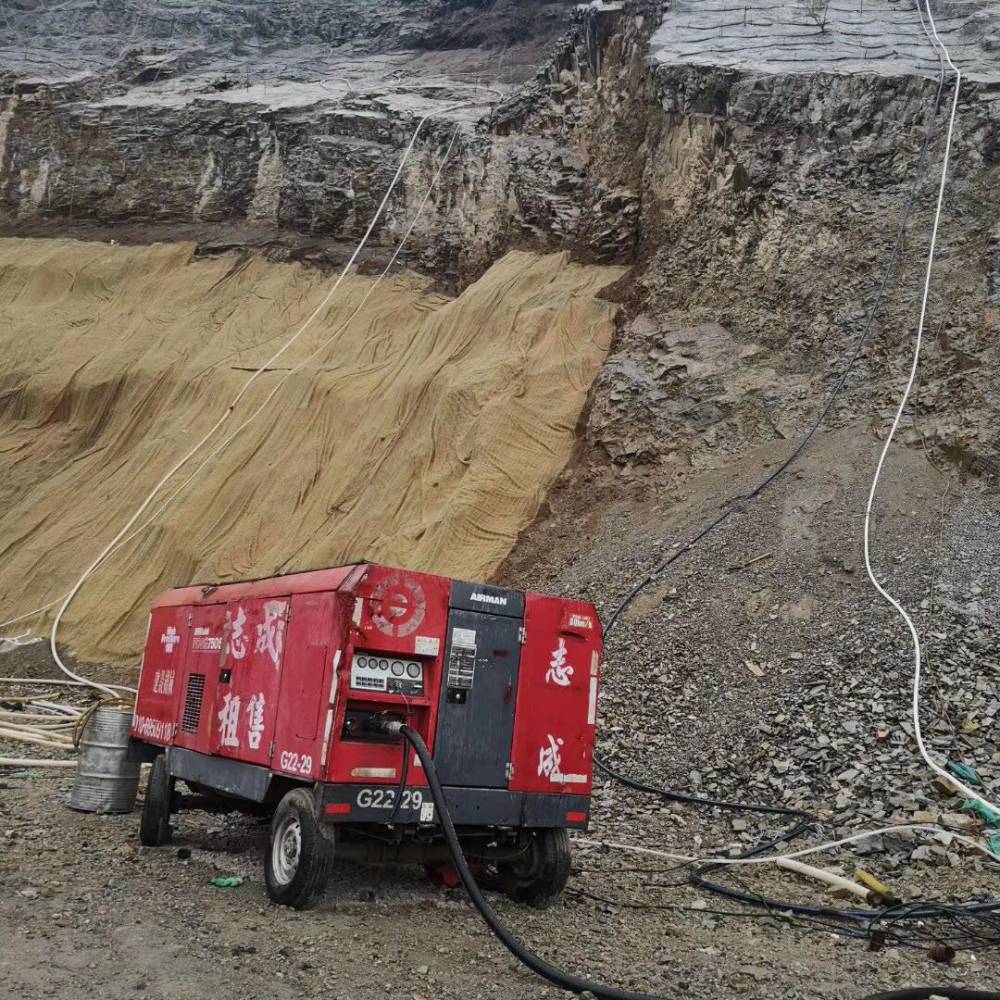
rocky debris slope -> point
(762, 666)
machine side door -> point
(478, 691)
(305, 705)
(246, 694)
(204, 648)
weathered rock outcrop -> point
(767, 210)
(760, 197)
(298, 148)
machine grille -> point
(192, 702)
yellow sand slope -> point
(425, 434)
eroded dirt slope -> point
(406, 426)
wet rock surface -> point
(882, 37)
(249, 128)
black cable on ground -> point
(805, 819)
(564, 980)
(926, 992)
(914, 912)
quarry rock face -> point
(302, 142)
(758, 196)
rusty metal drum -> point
(106, 782)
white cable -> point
(30, 614)
(291, 372)
(35, 762)
(917, 731)
(24, 639)
(801, 853)
(263, 405)
(112, 692)
(39, 681)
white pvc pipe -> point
(32, 762)
(822, 875)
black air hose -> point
(557, 977)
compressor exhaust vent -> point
(192, 702)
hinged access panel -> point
(306, 693)
(478, 692)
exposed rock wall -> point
(302, 147)
(767, 205)
(762, 206)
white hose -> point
(801, 853)
(263, 405)
(26, 737)
(914, 636)
(112, 691)
(35, 762)
(40, 681)
(289, 374)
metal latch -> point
(522, 635)
(508, 771)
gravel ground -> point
(88, 912)
(819, 720)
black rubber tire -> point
(154, 826)
(303, 880)
(539, 877)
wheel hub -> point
(286, 849)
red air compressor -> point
(292, 694)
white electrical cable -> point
(291, 372)
(112, 691)
(39, 681)
(30, 614)
(803, 852)
(285, 377)
(263, 405)
(915, 637)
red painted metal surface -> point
(261, 672)
(556, 713)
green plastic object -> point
(227, 882)
(993, 839)
(983, 811)
(965, 772)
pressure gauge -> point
(397, 668)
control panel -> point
(372, 672)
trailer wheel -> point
(154, 827)
(540, 875)
(299, 854)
